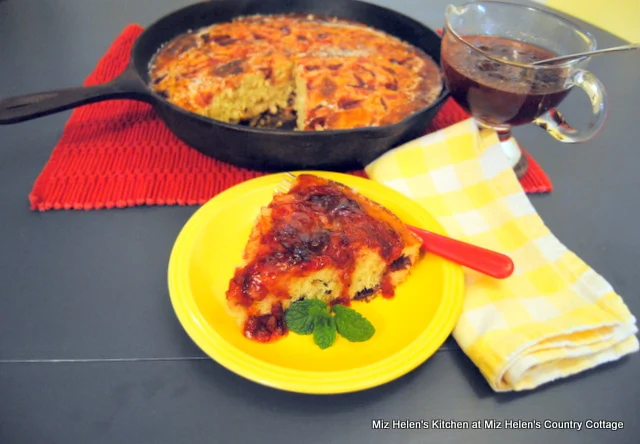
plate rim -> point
(249, 367)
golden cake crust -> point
(335, 74)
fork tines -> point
(286, 183)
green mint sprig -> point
(313, 316)
(352, 325)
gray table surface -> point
(90, 349)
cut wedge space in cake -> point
(320, 240)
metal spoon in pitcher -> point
(628, 47)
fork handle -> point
(485, 261)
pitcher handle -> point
(554, 123)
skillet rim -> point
(444, 94)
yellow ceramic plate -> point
(409, 328)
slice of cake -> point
(359, 91)
(319, 240)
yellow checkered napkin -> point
(554, 316)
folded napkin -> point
(555, 316)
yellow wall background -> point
(619, 17)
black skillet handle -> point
(19, 109)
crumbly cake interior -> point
(298, 71)
(321, 240)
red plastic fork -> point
(491, 263)
(485, 261)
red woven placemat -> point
(120, 154)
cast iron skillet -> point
(263, 149)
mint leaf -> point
(324, 331)
(313, 316)
(352, 325)
(299, 318)
(317, 311)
